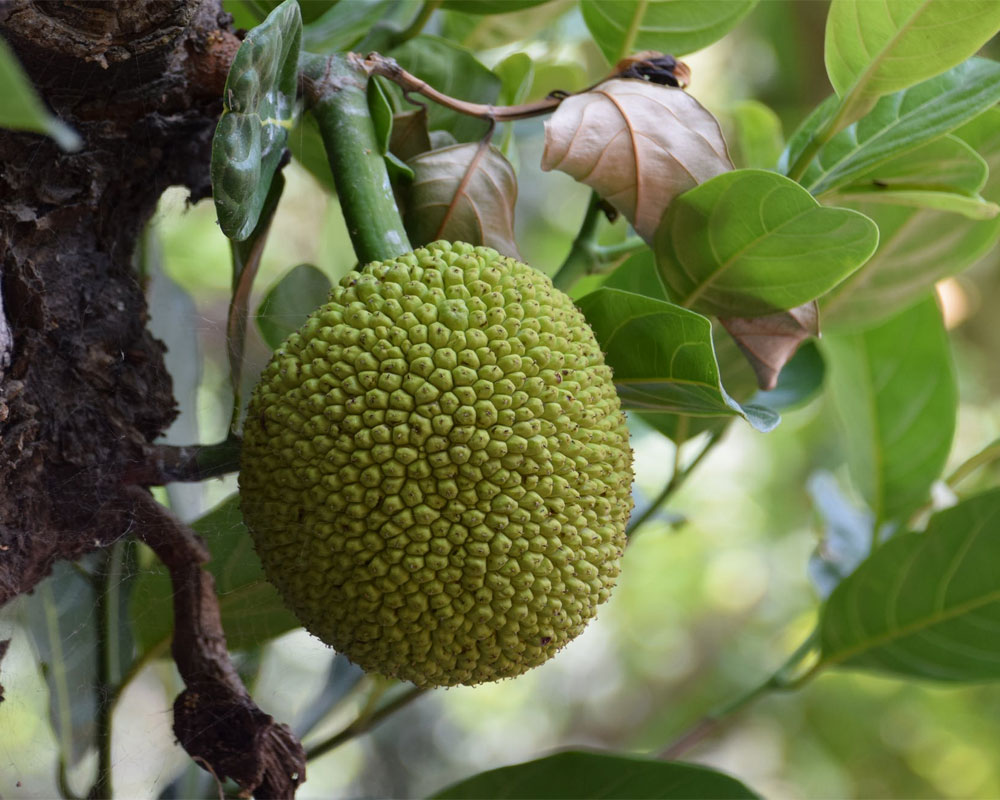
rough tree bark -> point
(83, 387)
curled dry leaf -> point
(769, 342)
(637, 144)
(465, 192)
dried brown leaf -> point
(465, 192)
(770, 341)
(637, 144)
(409, 134)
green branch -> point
(581, 259)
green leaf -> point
(21, 109)
(306, 144)
(895, 392)
(638, 274)
(759, 139)
(876, 48)
(61, 618)
(944, 165)
(749, 242)
(576, 775)
(918, 247)
(624, 27)
(456, 72)
(252, 611)
(490, 6)
(847, 533)
(345, 24)
(925, 605)
(971, 207)
(896, 125)
(258, 105)
(675, 371)
(287, 304)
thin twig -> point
(377, 64)
(364, 723)
(677, 479)
(188, 463)
(417, 25)
(780, 680)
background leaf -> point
(21, 109)
(490, 6)
(896, 125)
(917, 247)
(748, 243)
(675, 370)
(451, 69)
(287, 304)
(252, 611)
(577, 775)
(847, 533)
(61, 616)
(925, 605)
(895, 393)
(463, 193)
(624, 27)
(636, 144)
(759, 138)
(258, 105)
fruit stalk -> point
(335, 92)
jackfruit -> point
(436, 469)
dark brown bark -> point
(83, 388)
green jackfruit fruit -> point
(436, 469)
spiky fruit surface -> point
(436, 469)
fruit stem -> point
(364, 723)
(335, 91)
(581, 259)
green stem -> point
(676, 481)
(605, 254)
(820, 138)
(987, 455)
(335, 92)
(417, 26)
(778, 681)
(365, 722)
(106, 608)
(581, 261)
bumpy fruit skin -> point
(436, 469)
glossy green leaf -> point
(258, 105)
(578, 775)
(624, 27)
(453, 70)
(759, 140)
(896, 125)
(638, 274)
(876, 48)
(925, 605)
(286, 305)
(675, 370)
(895, 393)
(480, 32)
(749, 242)
(252, 611)
(918, 247)
(21, 109)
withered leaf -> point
(465, 192)
(770, 341)
(637, 144)
(409, 134)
